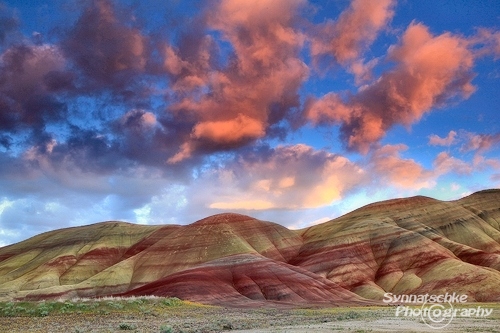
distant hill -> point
(414, 245)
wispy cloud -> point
(435, 140)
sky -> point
(291, 111)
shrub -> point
(44, 309)
(127, 327)
(166, 329)
(171, 301)
(115, 305)
(226, 325)
(82, 306)
(349, 315)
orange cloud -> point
(220, 132)
(356, 28)
(242, 101)
(430, 71)
(243, 205)
(227, 131)
(287, 177)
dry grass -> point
(157, 314)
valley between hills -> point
(414, 245)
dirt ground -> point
(216, 319)
(384, 325)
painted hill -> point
(413, 245)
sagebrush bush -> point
(127, 327)
(166, 329)
(171, 301)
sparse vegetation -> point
(171, 301)
(148, 314)
(102, 306)
(127, 327)
(165, 315)
(349, 316)
(166, 329)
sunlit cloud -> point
(480, 142)
(395, 170)
(435, 140)
(289, 110)
(287, 177)
(346, 38)
(430, 71)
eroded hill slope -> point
(412, 245)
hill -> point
(412, 245)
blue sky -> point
(291, 111)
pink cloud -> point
(496, 178)
(363, 71)
(435, 140)
(480, 142)
(356, 28)
(430, 71)
(445, 163)
(487, 41)
(241, 102)
(392, 169)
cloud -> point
(356, 28)
(496, 178)
(286, 177)
(8, 23)
(445, 163)
(223, 132)
(257, 89)
(136, 139)
(449, 140)
(34, 201)
(479, 142)
(470, 141)
(363, 71)
(5, 141)
(27, 84)
(85, 150)
(229, 130)
(430, 71)
(109, 52)
(121, 118)
(138, 120)
(487, 42)
(393, 170)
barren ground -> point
(155, 316)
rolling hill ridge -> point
(411, 245)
